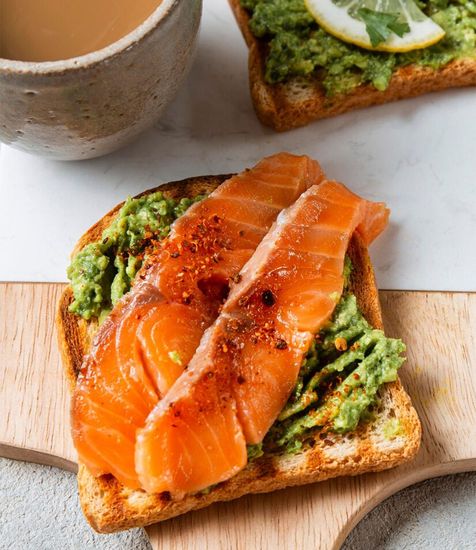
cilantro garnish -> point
(381, 25)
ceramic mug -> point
(90, 105)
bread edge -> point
(274, 107)
(110, 507)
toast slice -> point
(299, 101)
(109, 506)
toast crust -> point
(300, 101)
(110, 507)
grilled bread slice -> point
(109, 506)
(299, 101)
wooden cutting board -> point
(440, 332)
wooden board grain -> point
(440, 332)
(34, 399)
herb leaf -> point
(381, 25)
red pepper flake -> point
(340, 344)
(268, 299)
(240, 379)
(281, 344)
(242, 301)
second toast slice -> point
(299, 100)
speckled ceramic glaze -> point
(91, 105)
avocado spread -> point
(338, 382)
(298, 47)
(341, 374)
(392, 429)
(102, 272)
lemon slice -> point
(349, 21)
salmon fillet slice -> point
(248, 361)
(154, 330)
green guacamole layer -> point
(339, 379)
(298, 47)
(102, 272)
(338, 382)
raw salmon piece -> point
(155, 329)
(198, 440)
(247, 363)
(113, 394)
(161, 333)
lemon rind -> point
(387, 46)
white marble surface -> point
(418, 155)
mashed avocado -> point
(340, 377)
(102, 271)
(392, 429)
(297, 46)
